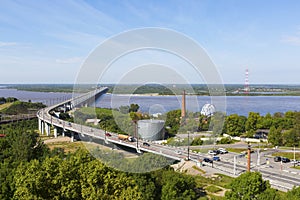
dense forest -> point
(29, 170)
(166, 89)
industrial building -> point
(151, 129)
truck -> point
(125, 137)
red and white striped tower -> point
(246, 87)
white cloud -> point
(294, 40)
(6, 44)
(69, 60)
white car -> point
(222, 151)
(294, 161)
(211, 152)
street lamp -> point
(188, 157)
(136, 133)
(249, 157)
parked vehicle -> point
(222, 151)
(277, 159)
(178, 152)
(108, 134)
(207, 160)
(294, 161)
(211, 152)
(216, 158)
(285, 160)
(125, 138)
(146, 144)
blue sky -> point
(47, 41)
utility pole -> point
(294, 156)
(249, 157)
(234, 165)
(188, 157)
(136, 133)
(258, 159)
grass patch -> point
(5, 105)
(289, 155)
(67, 146)
(200, 150)
(213, 197)
(296, 167)
(198, 169)
(213, 189)
(236, 150)
(220, 180)
(223, 181)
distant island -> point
(168, 89)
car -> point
(146, 144)
(285, 160)
(207, 160)
(294, 161)
(216, 158)
(211, 152)
(277, 159)
(107, 134)
(217, 151)
(178, 152)
(222, 151)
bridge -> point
(46, 121)
(231, 167)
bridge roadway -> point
(281, 181)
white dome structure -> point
(208, 109)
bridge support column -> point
(63, 132)
(47, 128)
(42, 127)
(55, 132)
(72, 137)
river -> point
(241, 105)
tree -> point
(134, 107)
(235, 124)
(204, 122)
(270, 194)
(293, 194)
(217, 123)
(177, 186)
(247, 186)
(252, 121)
(172, 123)
(275, 136)
(197, 141)
(265, 122)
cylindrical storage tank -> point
(151, 129)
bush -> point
(225, 140)
(197, 141)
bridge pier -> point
(47, 128)
(40, 125)
(63, 132)
(72, 136)
(55, 131)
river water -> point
(241, 105)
